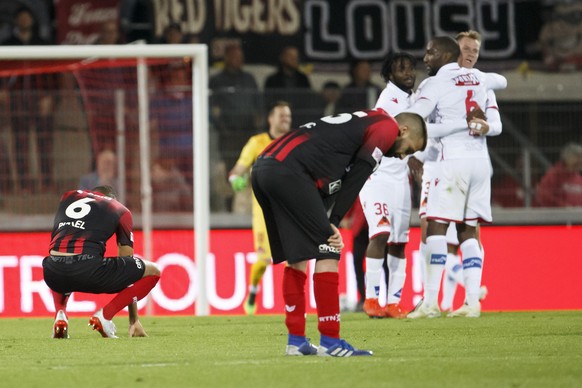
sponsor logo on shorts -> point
(330, 318)
(324, 248)
(384, 221)
(472, 262)
(335, 186)
(138, 263)
(438, 259)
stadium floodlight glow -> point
(199, 60)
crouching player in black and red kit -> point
(84, 221)
(298, 178)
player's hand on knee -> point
(336, 240)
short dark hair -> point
(106, 190)
(419, 125)
(395, 59)
(448, 45)
(276, 104)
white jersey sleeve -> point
(492, 114)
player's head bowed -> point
(412, 135)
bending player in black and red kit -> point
(84, 221)
(322, 166)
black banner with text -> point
(341, 30)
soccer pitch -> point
(526, 349)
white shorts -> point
(461, 191)
(386, 202)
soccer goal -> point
(147, 104)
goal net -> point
(134, 117)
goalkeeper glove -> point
(237, 182)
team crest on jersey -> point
(466, 80)
(384, 221)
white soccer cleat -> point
(61, 325)
(423, 310)
(105, 327)
(467, 311)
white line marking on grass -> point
(159, 364)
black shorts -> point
(295, 215)
(91, 274)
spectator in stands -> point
(105, 173)
(173, 34)
(171, 192)
(109, 33)
(290, 84)
(235, 103)
(31, 105)
(360, 93)
(171, 119)
(330, 94)
(562, 183)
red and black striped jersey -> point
(326, 148)
(85, 220)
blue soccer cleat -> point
(300, 346)
(339, 348)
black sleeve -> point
(351, 186)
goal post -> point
(73, 56)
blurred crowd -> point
(32, 109)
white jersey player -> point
(461, 189)
(386, 200)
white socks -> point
(437, 246)
(397, 267)
(472, 270)
(373, 276)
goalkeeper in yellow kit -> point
(279, 120)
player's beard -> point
(392, 151)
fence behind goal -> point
(134, 117)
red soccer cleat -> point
(393, 310)
(373, 308)
(61, 325)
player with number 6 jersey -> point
(321, 167)
(455, 97)
(84, 222)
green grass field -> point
(529, 349)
